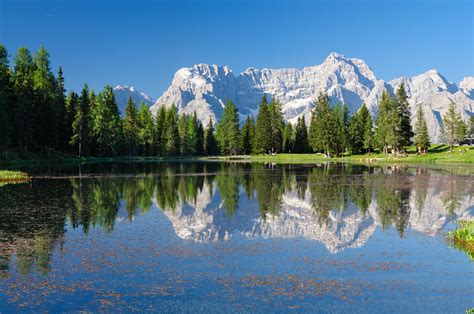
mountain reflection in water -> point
(338, 205)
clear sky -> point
(143, 43)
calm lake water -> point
(236, 237)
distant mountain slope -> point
(205, 88)
(123, 92)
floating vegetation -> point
(463, 237)
(13, 177)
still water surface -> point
(222, 237)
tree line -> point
(36, 115)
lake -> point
(236, 237)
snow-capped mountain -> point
(123, 92)
(205, 88)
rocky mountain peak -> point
(205, 88)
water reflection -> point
(338, 205)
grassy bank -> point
(64, 160)
(463, 237)
(10, 176)
(438, 154)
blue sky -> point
(142, 43)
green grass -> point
(437, 154)
(12, 176)
(463, 237)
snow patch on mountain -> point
(123, 92)
(467, 86)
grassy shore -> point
(11, 176)
(463, 237)
(438, 154)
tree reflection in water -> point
(34, 216)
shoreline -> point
(462, 155)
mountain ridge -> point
(204, 89)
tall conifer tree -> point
(131, 128)
(45, 123)
(319, 129)
(301, 136)
(453, 127)
(171, 131)
(263, 129)
(23, 85)
(403, 107)
(160, 135)
(384, 122)
(228, 132)
(5, 100)
(357, 128)
(422, 138)
(64, 130)
(107, 123)
(80, 125)
(210, 142)
(289, 137)
(192, 132)
(276, 126)
(247, 138)
(146, 131)
(368, 134)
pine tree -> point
(192, 133)
(387, 124)
(131, 128)
(276, 126)
(301, 136)
(357, 127)
(404, 112)
(72, 103)
(471, 130)
(91, 143)
(64, 130)
(368, 134)
(263, 129)
(171, 131)
(45, 124)
(319, 129)
(80, 124)
(210, 142)
(200, 139)
(394, 135)
(247, 138)
(422, 138)
(345, 122)
(146, 130)
(160, 136)
(228, 133)
(107, 124)
(289, 137)
(452, 127)
(183, 134)
(461, 131)
(5, 100)
(336, 132)
(23, 111)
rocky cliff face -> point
(205, 88)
